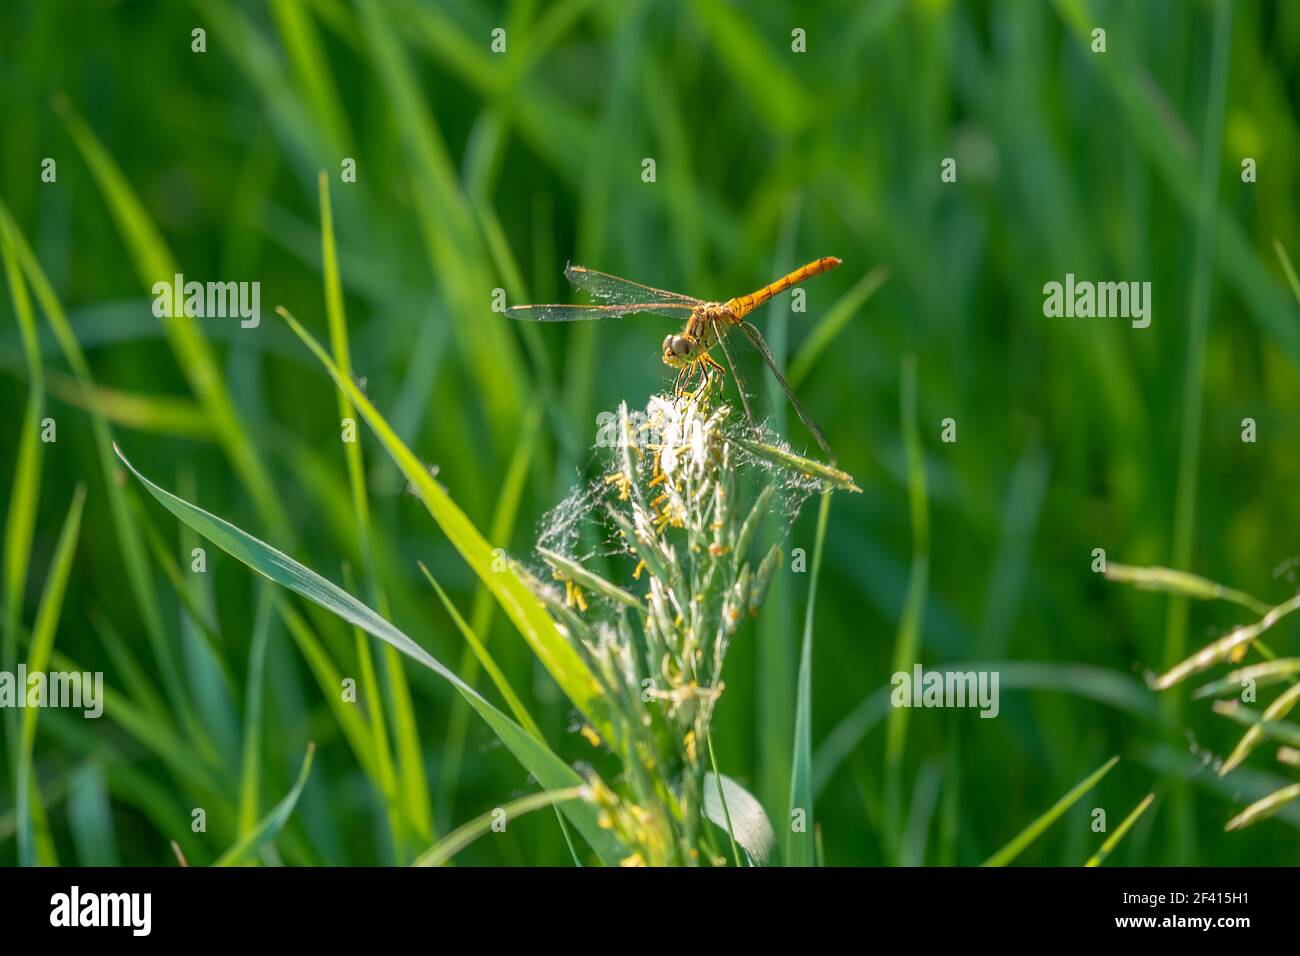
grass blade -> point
(1181, 583)
(1288, 269)
(413, 786)
(549, 770)
(251, 757)
(1112, 841)
(485, 659)
(481, 612)
(556, 654)
(24, 498)
(1263, 809)
(1032, 832)
(1230, 645)
(246, 847)
(463, 836)
(1274, 713)
(1193, 397)
(155, 263)
(807, 466)
(1282, 731)
(1269, 672)
(38, 660)
(125, 533)
(738, 811)
(481, 656)
(802, 850)
(834, 322)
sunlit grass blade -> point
(1280, 730)
(1265, 808)
(552, 649)
(453, 243)
(588, 579)
(481, 655)
(24, 495)
(368, 685)
(807, 466)
(126, 535)
(1112, 841)
(500, 532)
(550, 771)
(802, 850)
(302, 43)
(1231, 644)
(1274, 712)
(1032, 832)
(1288, 268)
(485, 659)
(463, 836)
(412, 782)
(1181, 582)
(833, 323)
(155, 263)
(1262, 675)
(159, 414)
(48, 613)
(246, 847)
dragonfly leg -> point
(711, 365)
(697, 375)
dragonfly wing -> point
(746, 368)
(617, 291)
(755, 339)
(581, 313)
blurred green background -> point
(479, 170)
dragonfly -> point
(707, 324)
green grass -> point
(1029, 834)
(479, 171)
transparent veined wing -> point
(747, 353)
(618, 291)
(584, 313)
(746, 368)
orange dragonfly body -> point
(707, 324)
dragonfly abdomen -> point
(741, 306)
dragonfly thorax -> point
(701, 333)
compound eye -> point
(681, 346)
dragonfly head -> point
(680, 351)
